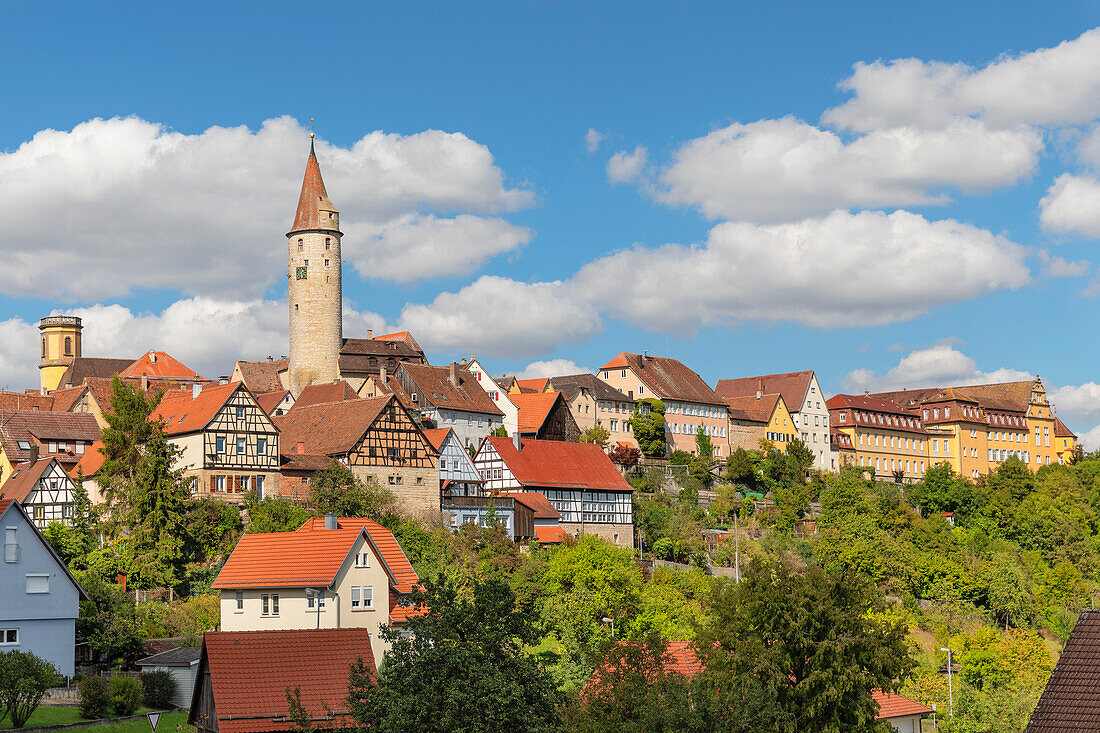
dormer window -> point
(24, 445)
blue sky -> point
(163, 245)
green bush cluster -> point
(126, 695)
(158, 689)
(95, 697)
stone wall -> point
(621, 535)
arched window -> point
(43, 348)
(300, 245)
(68, 346)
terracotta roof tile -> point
(666, 378)
(306, 462)
(248, 702)
(792, 385)
(182, 412)
(331, 428)
(26, 401)
(550, 535)
(436, 436)
(85, 367)
(752, 409)
(433, 387)
(313, 200)
(536, 502)
(31, 427)
(23, 478)
(1061, 431)
(571, 384)
(160, 365)
(286, 559)
(534, 408)
(557, 464)
(892, 705)
(91, 462)
(64, 399)
(316, 394)
(262, 376)
(268, 401)
(1071, 698)
(537, 384)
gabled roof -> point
(330, 428)
(181, 656)
(571, 384)
(794, 386)
(753, 410)
(371, 354)
(26, 401)
(262, 376)
(91, 461)
(667, 378)
(307, 462)
(1071, 698)
(316, 394)
(287, 559)
(313, 199)
(558, 464)
(24, 477)
(396, 561)
(436, 436)
(160, 365)
(184, 413)
(868, 403)
(84, 367)
(403, 336)
(7, 505)
(433, 386)
(315, 661)
(536, 384)
(30, 426)
(64, 399)
(1061, 431)
(550, 534)
(268, 401)
(534, 408)
(1003, 397)
(536, 502)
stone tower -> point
(61, 337)
(316, 300)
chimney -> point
(144, 382)
(34, 453)
(330, 521)
(301, 447)
(370, 333)
(196, 390)
(454, 374)
(516, 441)
(223, 380)
(382, 376)
(759, 389)
(462, 362)
(152, 357)
(269, 358)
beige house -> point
(329, 574)
(689, 402)
(594, 402)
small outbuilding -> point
(182, 663)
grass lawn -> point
(169, 722)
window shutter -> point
(213, 483)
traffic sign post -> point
(154, 718)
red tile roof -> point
(64, 399)
(26, 401)
(1071, 698)
(557, 464)
(436, 436)
(536, 502)
(534, 408)
(313, 199)
(792, 385)
(262, 376)
(752, 409)
(85, 367)
(667, 378)
(23, 479)
(251, 671)
(31, 427)
(891, 705)
(287, 559)
(182, 412)
(316, 394)
(331, 428)
(383, 539)
(268, 401)
(91, 462)
(1061, 431)
(538, 384)
(550, 535)
(160, 365)
(433, 386)
(868, 403)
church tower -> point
(61, 336)
(316, 300)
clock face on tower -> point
(300, 273)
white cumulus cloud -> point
(551, 368)
(939, 365)
(117, 204)
(1072, 204)
(592, 140)
(624, 167)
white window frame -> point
(362, 598)
(4, 636)
(238, 599)
(38, 576)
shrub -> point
(160, 688)
(95, 697)
(125, 695)
(24, 679)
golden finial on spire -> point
(310, 128)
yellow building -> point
(884, 437)
(760, 417)
(1065, 442)
(61, 337)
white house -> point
(44, 490)
(497, 394)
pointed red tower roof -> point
(313, 199)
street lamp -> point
(314, 593)
(611, 621)
(950, 690)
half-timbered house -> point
(545, 416)
(374, 437)
(229, 444)
(578, 479)
(27, 435)
(275, 403)
(44, 490)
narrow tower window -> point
(68, 346)
(43, 348)
(300, 245)
(328, 243)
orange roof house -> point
(352, 567)
(578, 481)
(545, 416)
(243, 678)
(160, 366)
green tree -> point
(648, 425)
(703, 446)
(1010, 596)
(279, 514)
(337, 490)
(24, 679)
(460, 668)
(151, 511)
(212, 529)
(499, 432)
(597, 434)
(809, 637)
(108, 620)
(128, 429)
(743, 469)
